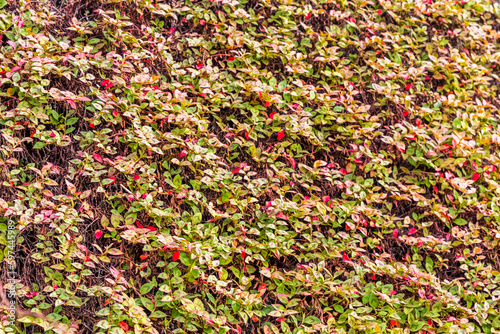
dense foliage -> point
(260, 166)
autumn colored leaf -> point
(176, 256)
(123, 325)
(281, 134)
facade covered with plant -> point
(260, 166)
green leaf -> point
(147, 303)
(39, 145)
(146, 288)
(312, 320)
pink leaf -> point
(393, 292)
(202, 22)
(97, 157)
(98, 234)
(395, 233)
(72, 103)
(281, 134)
(136, 177)
(412, 230)
(326, 199)
(183, 154)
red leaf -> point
(112, 179)
(246, 135)
(139, 225)
(230, 59)
(435, 189)
(202, 22)
(236, 170)
(199, 66)
(393, 292)
(271, 115)
(52, 134)
(395, 233)
(405, 113)
(326, 199)
(394, 323)
(412, 230)
(379, 12)
(151, 228)
(92, 125)
(176, 255)
(136, 177)
(183, 154)
(238, 328)
(144, 256)
(262, 288)
(281, 134)
(97, 157)
(408, 87)
(104, 82)
(72, 103)
(475, 176)
(308, 15)
(267, 104)
(345, 257)
(343, 171)
(292, 161)
(123, 325)
(16, 68)
(243, 254)
(98, 234)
